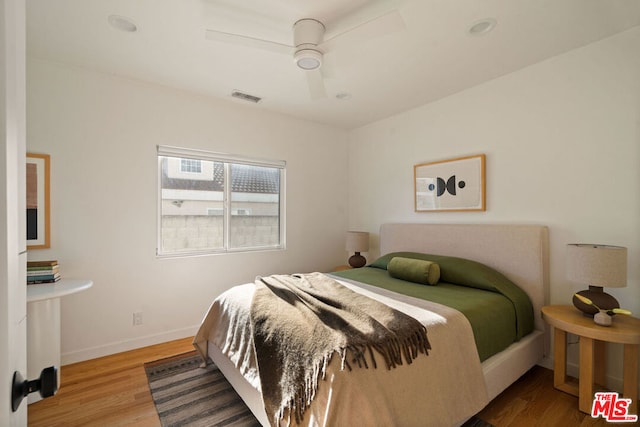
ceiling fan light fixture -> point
(308, 59)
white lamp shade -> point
(597, 265)
(357, 241)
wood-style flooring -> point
(113, 391)
(108, 391)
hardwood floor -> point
(113, 391)
(109, 391)
(532, 401)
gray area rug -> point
(187, 395)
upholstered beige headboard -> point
(520, 252)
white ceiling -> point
(431, 57)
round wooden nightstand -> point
(342, 268)
(624, 330)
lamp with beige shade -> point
(598, 266)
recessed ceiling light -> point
(122, 23)
(482, 27)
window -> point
(211, 202)
(190, 165)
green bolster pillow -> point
(414, 270)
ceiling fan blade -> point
(388, 23)
(315, 80)
(328, 67)
(252, 42)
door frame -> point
(13, 304)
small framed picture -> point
(450, 185)
(38, 233)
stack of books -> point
(42, 272)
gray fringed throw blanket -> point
(300, 321)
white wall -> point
(101, 132)
(562, 140)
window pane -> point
(192, 201)
(211, 202)
(255, 206)
(190, 165)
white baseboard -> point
(546, 362)
(126, 345)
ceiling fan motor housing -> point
(307, 35)
(307, 31)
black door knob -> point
(47, 385)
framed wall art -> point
(450, 185)
(38, 233)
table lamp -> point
(357, 241)
(597, 266)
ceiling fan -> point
(310, 46)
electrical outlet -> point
(137, 318)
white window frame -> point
(227, 159)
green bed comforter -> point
(500, 313)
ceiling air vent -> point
(245, 96)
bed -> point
(444, 388)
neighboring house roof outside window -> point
(244, 179)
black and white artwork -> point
(450, 185)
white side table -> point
(43, 325)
